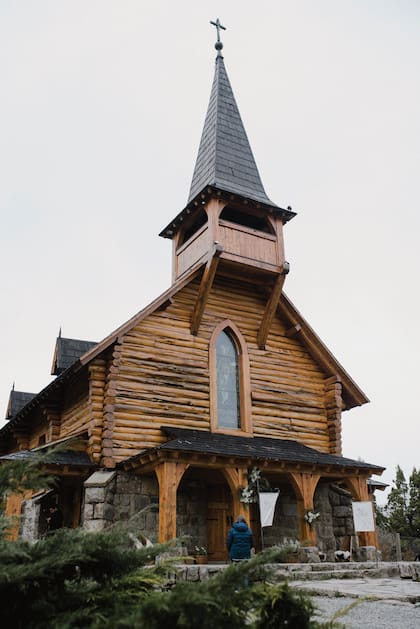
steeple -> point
(225, 165)
(225, 160)
(229, 224)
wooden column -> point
(169, 474)
(109, 405)
(359, 489)
(13, 510)
(52, 413)
(97, 379)
(305, 485)
(22, 438)
(333, 405)
(237, 478)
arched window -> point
(227, 374)
(230, 408)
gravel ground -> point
(375, 614)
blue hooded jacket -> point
(239, 541)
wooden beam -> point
(270, 309)
(205, 288)
(293, 330)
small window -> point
(199, 220)
(227, 369)
(41, 440)
(260, 223)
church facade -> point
(163, 421)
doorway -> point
(219, 520)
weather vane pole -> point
(218, 45)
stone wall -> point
(335, 525)
(29, 523)
(285, 525)
(191, 516)
(112, 497)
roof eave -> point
(211, 191)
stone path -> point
(381, 603)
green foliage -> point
(289, 608)
(92, 573)
(413, 511)
(401, 514)
(22, 475)
(72, 579)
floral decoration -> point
(311, 516)
(200, 550)
(249, 493)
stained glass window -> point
(228, 398)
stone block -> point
(124, 500)
(289, 509)
(406, 571)
(95, 494)
(349, 524)
(88, 511)
(342, 511)
(193, 573)
(94, 526)
(109, 512)
(99, 479)
(308, 554)
(416, 571)
(366, 553)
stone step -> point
(316, 571)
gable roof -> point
(352, 394)
(257, 448)
(67, 351)
(17, 400)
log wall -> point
(161, 375)
(75, 408)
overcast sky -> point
(101, 110)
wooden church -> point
(218, 376)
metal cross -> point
(218, 27)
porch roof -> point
(64, 457)
(257, 448)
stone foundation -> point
(112, 497)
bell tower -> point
(229, 224)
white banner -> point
(363, 516)
(268, 501)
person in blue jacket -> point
(239, 540)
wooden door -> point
(219, 520)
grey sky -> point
(101, 110)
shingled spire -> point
(225, 160)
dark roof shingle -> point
(201, 441)
(17, 400)
(225, 158)
(67, 351)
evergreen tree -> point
(72, 579)
(396, 509)
(414, 503)
(401, 514)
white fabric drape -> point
(268, 501)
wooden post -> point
(305, 485)
(237, 477)
(169, 475)
(359, 489)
